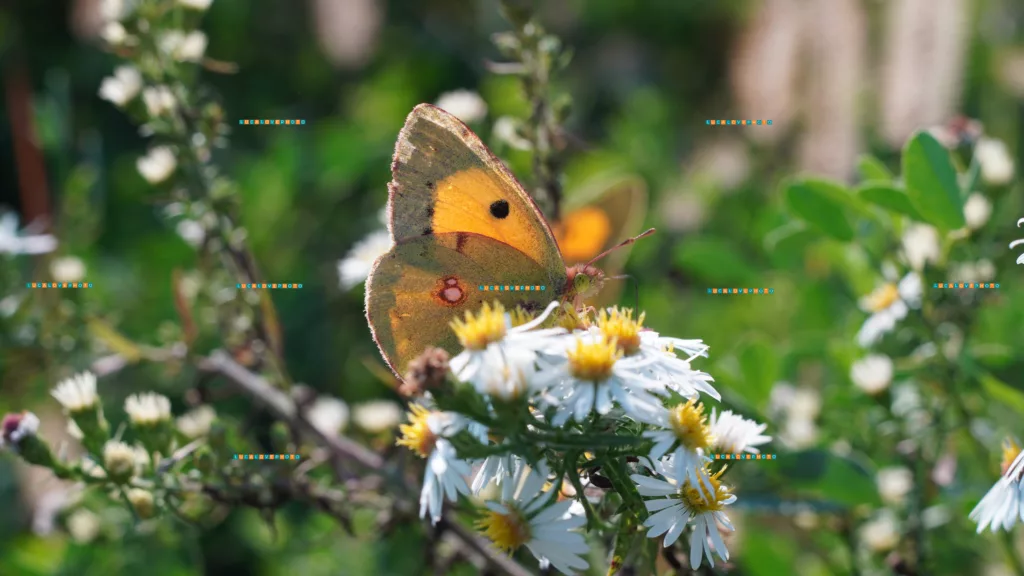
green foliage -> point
(823, 205)
(932, 182)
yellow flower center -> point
(619, 324)
(699, 501)
(883, 297)
(508, 531)
(487, 327)
(1010, 452)
(593, 361)
(690, 425)
(417, 435)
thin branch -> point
(283, 407)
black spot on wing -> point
(500, 209)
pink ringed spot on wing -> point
(450, 292)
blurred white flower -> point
(734, 434)
(157, 165)
(119, 460)
(197, 423)
(995, 160)
(9, 305)
(805, 404)
(112, 10)
(977, 210)
(799, 433)
(377, 416)
(184, 47)
(921, 245)
(78, 393)
(147, 408)
(873, 373)
(191, 232)
(881, 533)
(196, 4)
(1003, 505)
(113, 33)
(67, 269)
(17, 427)
(355, 266)
(465, 105)
(506, 129)
(159, 100)
(328, 415)
(894, 484)
(11, 242)
(981, 271)
(83, 526)
(888, 304)
(124, 85)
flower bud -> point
(143, 503)
(119, 461)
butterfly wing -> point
(417, 288)
(445, 180)
(598, 216)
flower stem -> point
(1012, 555)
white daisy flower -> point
(356, 265)
(197, 423)
(465, 105)
(592, 375)
(157, 165)
(500, 469)
(509, 373)
(678, 503)
(522, 520)
(445, 474)
(492, 330)
(113, 33)
(654, 355)
(377, 416)
(328, 415)
(1003, 505)
(873, 373)
(124, 85)
(921, 245)
(1014, 244)
(734, 434)
(684, 432)
(78, 393)
(147, 409)
(11, 242)
(881, 533)
(888, 304)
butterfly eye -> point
(581, 282)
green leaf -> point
(823, 204)
(1002, 393)
(872, 168)
(759, 366)
(715, 261)
(840, 480)
(768, 552)
(888, 196)
(932, 183)
(970, 179)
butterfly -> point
(461, 223)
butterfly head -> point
(585, 281)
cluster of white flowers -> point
(613, 371)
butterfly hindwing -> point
(445, 180)
(424, 282)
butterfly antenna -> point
(622, 244)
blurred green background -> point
(839, 78)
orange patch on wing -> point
(463, 203)
(582, 234)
